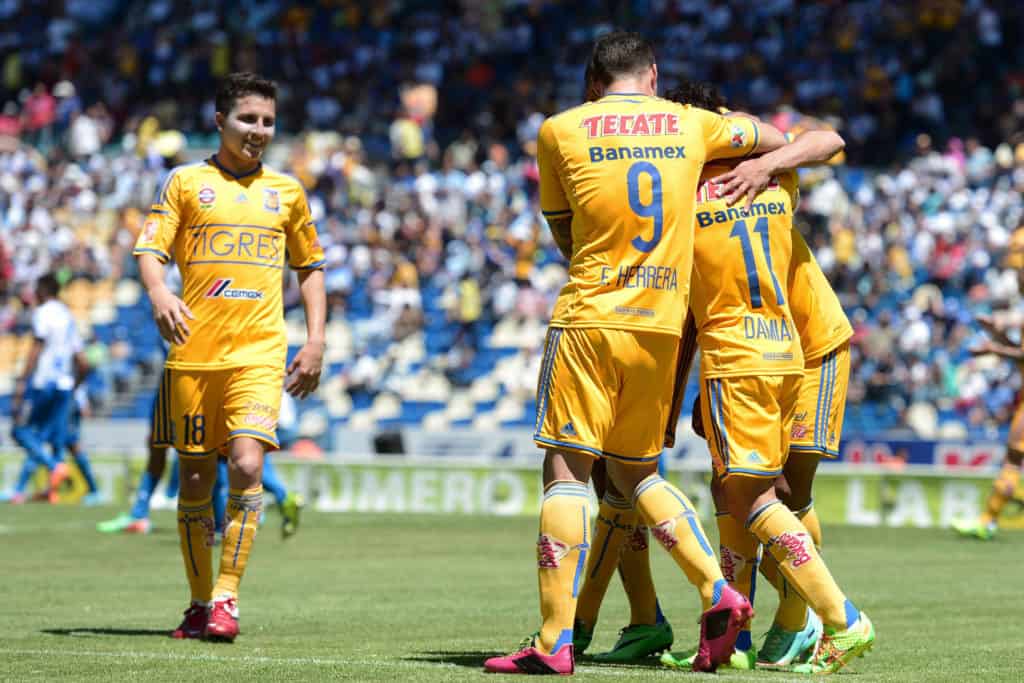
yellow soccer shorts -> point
(605, 392)
(818, 421)
(747, 422)
(198, 412)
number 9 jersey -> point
(625, 169)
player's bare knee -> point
(745, 494)
(566, 465)
(627, 476)
(197, 478)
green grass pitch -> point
(368, 598)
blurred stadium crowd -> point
(412, 126)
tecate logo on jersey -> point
(222, 288)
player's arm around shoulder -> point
(751, 177)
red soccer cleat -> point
(223, 622)
(138, 526)
(719, 628)
(194, 623)
(530, 660)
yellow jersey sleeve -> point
(727, 137)
(817, 312)
(553, 201)
(304, 250)
(161, 225)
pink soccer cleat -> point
(223, 623)
(719, 628)
(530, 660)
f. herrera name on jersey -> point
(222, 288)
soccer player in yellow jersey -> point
(230, 224)
(808, 296)
(618, 181)
(751, 370)
(1005, 485)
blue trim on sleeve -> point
(312, 266)
(157, 252)
(757, 137)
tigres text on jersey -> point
(741, 280)
(229, 236)
(625, 169)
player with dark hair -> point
(618, 180)
(229, 223)
(42, 400)
(813, 315)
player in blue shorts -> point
(41, 405)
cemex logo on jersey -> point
(221, 288)
(631, 124)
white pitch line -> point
(250, 659)
(247, 659)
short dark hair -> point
(47, 286)
(698, 94)
(619, 53)
(238, 85)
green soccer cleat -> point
(974, 529)
(581, 636)
(839, 648)
(116, 525)
(638, 641)
(291, 509)
(739, 659)
(782, 648)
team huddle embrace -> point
(718, 213)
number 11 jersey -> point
(625, 170)
(740, 284)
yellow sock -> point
(635, 570)
(561, 557)
(674, 523)
(738, 550)
(791, 613)
(1002, 490)
(195, 531)
(243, 518)
(615, 520)
(788, 541)
(809, 518)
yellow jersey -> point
(229, 236)
(740, 282)
(625, 169)
(819, 317)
